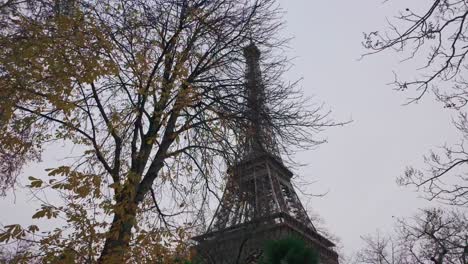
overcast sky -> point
(360, 162)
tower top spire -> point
(258, 135)
(252, 52)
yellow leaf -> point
(35, 183)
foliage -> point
(289, 250)
(150, 94)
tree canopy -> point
(150, 94)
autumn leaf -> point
(12, 232)
(35, 183)
(33, 228)
(46, 211)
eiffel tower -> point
(259, 202)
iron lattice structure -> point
(259, 202)
(258, 138)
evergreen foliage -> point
(289, 250)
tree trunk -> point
(132, 194)
(118, 238)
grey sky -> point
(361, 161)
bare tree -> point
(438, 37)
(378, 250)
(432, 236)
(150, 93)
